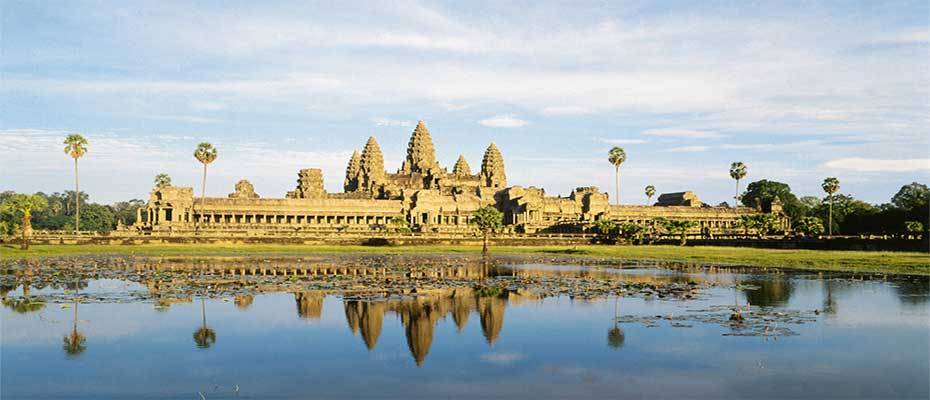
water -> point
(825, 336)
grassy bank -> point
(850, 261)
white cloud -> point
(682, 133)
(185, 118)
(689, 149)
(875, 165)
(391, 122)
(503, 121)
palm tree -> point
(737, 171)
(162, 180)
(204, 336)
(615, 335)
(24, 204)
(76, 146)
(74, 342)
(830, 185)
(617, 156)
(206, 154)
(650, 191)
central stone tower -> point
(421, 155)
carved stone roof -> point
(352, 172)
(372, 164)
(461, 167)
(492, 167)
(421, 155)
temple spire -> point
(492, 168)
(372, 165)
(421, 155)
(352, 172)
(461, 167)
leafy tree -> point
(125, 211)
(912, 203)
(605, 227)
(760, 194)
(162, 181)
(617, 156)
(206, 154)
(76, 147)
(914, 227)
(399, 224)
(23, 205)
(830, 185)
(98, 218)
(809, 226)
(738, 171)
(488, 220)
(762, 224)
(650, 191)
(678, 227)
(632, 230)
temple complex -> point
(422, 196)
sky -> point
(798, 91)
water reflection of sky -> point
(870, 341)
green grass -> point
(820, 260)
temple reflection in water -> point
(418, 293)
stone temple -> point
(421, 195)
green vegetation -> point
(60, 212)
(849, 216)
(22, 205)
(649, 191)
(488, 220)
(821, 260)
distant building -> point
(421, 195)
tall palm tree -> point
(617, 156)
(74, 342)
(204, 337)
(76, 146)
(615, 335)
(162, 180)
(650, 191)
(830, 185)
(737, 171)
(206, 154)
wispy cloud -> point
(689, 149)
(682, 133)
(875, 165)
(503, 121)
(391, 122)
(566, 110)
(619, 141)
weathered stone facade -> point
(421, 195)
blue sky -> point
(797, 91)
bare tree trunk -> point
(830, 221)
(77, 199)
(203, 311)
(736, 196)
(617, 177)
(203, 195)
(484, 249)
(27, 230)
